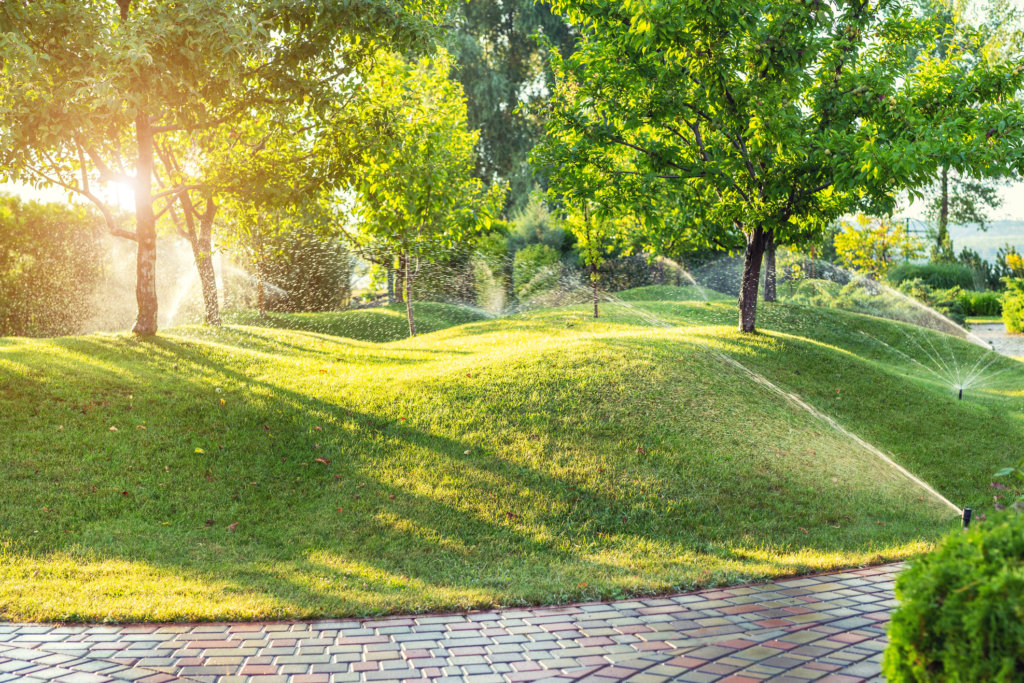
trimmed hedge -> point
(935, 275)
(961, 616)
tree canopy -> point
(766, 120)
(416, 195)
(89, 88)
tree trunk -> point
(145, 231)
(408, 295)
(770, 278)
(204, 261)
(593, 283)
(943, 237)
(400, 279)
(391, 285)
(756, 243)
(260, 294)
(202, 253)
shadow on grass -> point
(400, 514)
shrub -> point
(961, 616)
(980, 303)
(315, 272)
(1013, 305)
(935, 275)
(51, 266)
(535, 268)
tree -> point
(417, 196)
(873, 245)
(278, 157)
(500, 59)
(595, 236)
(956, 197)
(89, 88)
(764, 121)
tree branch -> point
(108, 216)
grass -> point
(265, 473)
(671, 293)
(381, 324)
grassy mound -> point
(671, 293)
(382, 324)
(263, 473)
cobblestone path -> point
(829, 627)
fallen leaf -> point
(125, 494)
(143, 427)
(323, 461)
(208, 522)
(114, 429)
(318, 429)
(200, 451)
(340, 510)
(223, 402)
(392, 496)
(316, 446)
(337, 476)
(361, 485)
(231, 527)
(802, 529)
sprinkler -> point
(967, 517)
(960, 396)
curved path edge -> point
(828, 627)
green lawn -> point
(267, 473)
(381, 324)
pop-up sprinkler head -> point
(960, 396)
(967, 517)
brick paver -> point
(827, 627)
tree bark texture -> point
(145, 231)
(943, 237)
(757, 240)
(260, 293)
(400, 279)
(408, 295)
(202, 253)
(770, 277)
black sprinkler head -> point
(960, 396)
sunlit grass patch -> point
(254, 472)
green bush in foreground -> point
(961, 616)
(1013, 305)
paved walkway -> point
(999, 339)
(829, 627)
